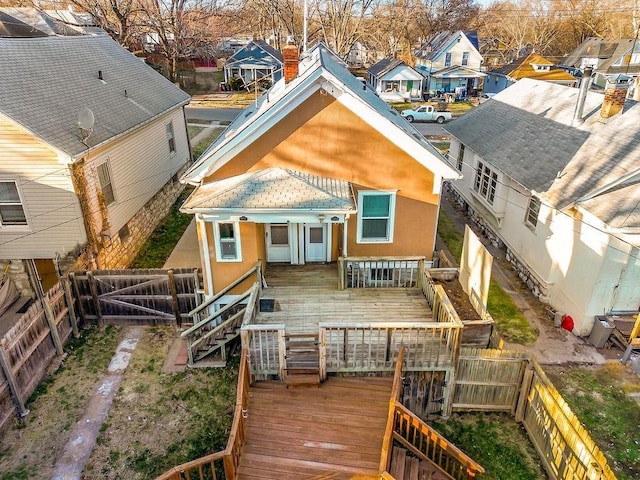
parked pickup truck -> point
(426, 113)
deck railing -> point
(427, 444)
(208, 326)
(362, 347)
(396, 392)
(221, 465)
(266, 349)
(379, 272)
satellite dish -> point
(86, 119)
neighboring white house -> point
(450, 61)
(91, 142)
(357, 56)
(254, 61)
(395, 81)
(607, 58)
(559, 190)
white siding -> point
(141, 164)
(456, 49)
(50, 204)
(579, 263)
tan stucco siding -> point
(48, 198)
(414, 231)
(325, 138)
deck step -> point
(311, 379)
(405, 466)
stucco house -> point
(450, 61)
(607, 58)
(91, 142)
(254, 61)
(395, 81)
(552, 174)
(533, 66)
(320, 168)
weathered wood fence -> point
(501, 380)
(147, 297)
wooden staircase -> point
(408, 467)
(302, 360)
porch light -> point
(321, 218)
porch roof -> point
(273, 189)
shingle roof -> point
(274, 188)
(385, 65)
(320, 68)
(523, 68)
(609, 51)
(257, 49)
(47, 81)
(433, 47)
(526, 131)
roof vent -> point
(100, 75)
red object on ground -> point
(567, 323)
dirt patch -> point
(459, 299)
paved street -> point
(211, 113)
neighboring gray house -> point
(395, 81)
(254, 61)
(91, 144)
(450, 61)
(559, 191)
(607, 58)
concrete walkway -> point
(83, 436)
(554, 345)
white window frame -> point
(532, 207)
(218, 245)
(19, 202)
(460, 159)
(485, 182)
(171, 138)
(465, 59)
(107, 167)
(447, 59)
(390, 218)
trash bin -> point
(600, 332)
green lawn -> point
(495, 441)
(193, 131)
(510, 321)
(598, 398)
(204, 143)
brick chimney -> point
(615, 94)
(290, 57)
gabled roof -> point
(384, 66)
(47, 81)
(527, 132)
(608, 51)
(273, 189)
(523, 68)
(256, 51)
(440, 42)
(318, 72)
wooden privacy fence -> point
(27, 350)
(136, 297)
(500, 380)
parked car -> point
(426, 113)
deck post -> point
(322, 347)
(420, 273)
(282, 352)
(341, 274)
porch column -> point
(345, 236)
(205, 254)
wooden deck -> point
(331, 432)
(307, 295)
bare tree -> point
(119, 18)
(342, 22)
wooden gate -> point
(136, 297)
(488, 380)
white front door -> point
(278, 244)
(315, 242)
